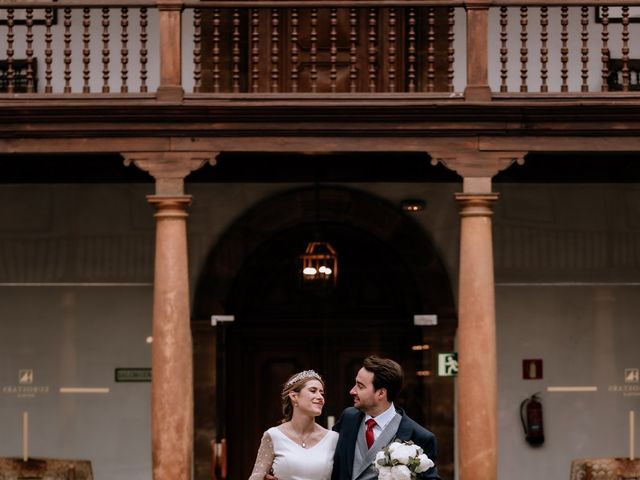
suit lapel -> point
(361, 450)
(405, 430)
(369, 455)
(351, 442)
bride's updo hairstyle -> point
(296, 383)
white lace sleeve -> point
(264, 459)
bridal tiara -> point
(303, 376)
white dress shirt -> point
(381, 420)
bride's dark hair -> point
(295, 383)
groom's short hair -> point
(387, 374)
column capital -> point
(476, 204)
(169, 169)
(479, 163)
(170, 206)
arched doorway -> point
(389, 271)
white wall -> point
(567, 292)
(73, 325)
(74, 336)
(586, 336)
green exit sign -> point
(133, 374)
(448, 364)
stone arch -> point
(337, 205)
(421, 284)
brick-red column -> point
(477, 377)
(172, 378)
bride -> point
(298, 448)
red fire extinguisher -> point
(531, 416)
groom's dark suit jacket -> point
(348, 426)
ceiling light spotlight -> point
(412, 205)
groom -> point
(373, 422)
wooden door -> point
(261, 357)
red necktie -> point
(368, 435)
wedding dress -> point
(290, 461)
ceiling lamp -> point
(319, 265)
(412, 205)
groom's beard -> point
(362, 405)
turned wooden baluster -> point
(275, 50)
(295, 51)
(144, 22)
(197, 50)
(29, 49)
(124, 50)
(524, 51)
(333, 48)
(625, 48)
(86, 50)
(48, 51)
(105, 50)
(313, 51)
(10, 51)
(605, 49)
(544, 50)
(373, 48)
(235, 51)
(450, 50)
(411, 50)
(216, 50)
(353, 50)
(564, 50)
(67, 50)
(584, 51)
(431, 49)
(392, 49)
(255, 50)
(504, 51)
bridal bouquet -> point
(401, 460)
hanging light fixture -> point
(319, 262)
(319, 265)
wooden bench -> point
(608, 468)
(45, 469)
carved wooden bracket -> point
(477, 164)
(169, 168)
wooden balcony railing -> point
(475, 50)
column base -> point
(170, 93)
(477, 93)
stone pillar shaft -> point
(172, 381)
(477, 376)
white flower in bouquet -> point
(401, 460)
(402, 452)
(380, 458)
(401, 472)
(425, 463)
(384, 473)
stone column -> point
(172, 385)
(477, 370)
(172, 363)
